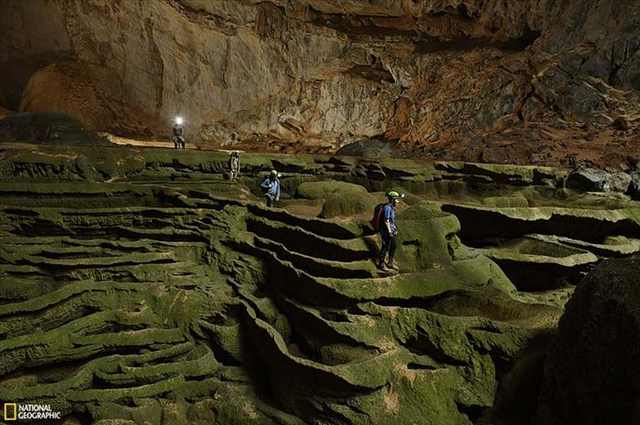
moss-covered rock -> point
(327, 188)
(160, 293)
(538, 262)
(343, 204)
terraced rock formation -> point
(139, 286)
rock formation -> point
(139, 286)
(527, 81)
(591, 372)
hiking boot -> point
(392, 265)
(381, 265)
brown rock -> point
(68, 88)
(620, 123)
(4, 112)
(433, 75)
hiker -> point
(234, 165)
(178, 134)
(271, 187)
(573, 162)
(385, 222)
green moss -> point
(328, 188)
(506, 202)
(351, 204)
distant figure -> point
(178, 134)
(271, 187)
(386, 217)
(234, 165)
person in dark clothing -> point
(178, 134)
(389, 233)
(271, 187)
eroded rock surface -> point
(491, 81)
(591, 372)
(157, 292)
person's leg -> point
(383, 249)
(392, 253)
(269, 201)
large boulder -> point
(88, 93)
(596, 180)
(351, 204)
(373, 148)
(327, 188)
(66, 88)
(47, 128)
(592, 373)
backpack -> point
(376, 221)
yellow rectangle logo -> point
(10, 412)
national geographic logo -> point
(10, 412)
(28, 412)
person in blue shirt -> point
(271, 187)
(389, 233)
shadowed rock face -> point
(50, 128)
(591, 371)
(489, 81)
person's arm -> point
(387, 219)
(265, 184)
(277, 190)
(389, 229)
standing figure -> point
(178, 134)
(234, 165)
(271, 187)
(389, 232)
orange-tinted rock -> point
(458, 79)
(4, 112)
(68, 88)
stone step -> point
(307, 243)
(318, 267)
(321, 227)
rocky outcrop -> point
(590, 179)
(314, 75)
(538, 262)
(371, 148)
(591, 371)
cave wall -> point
(324, 72)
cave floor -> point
(143, 284)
